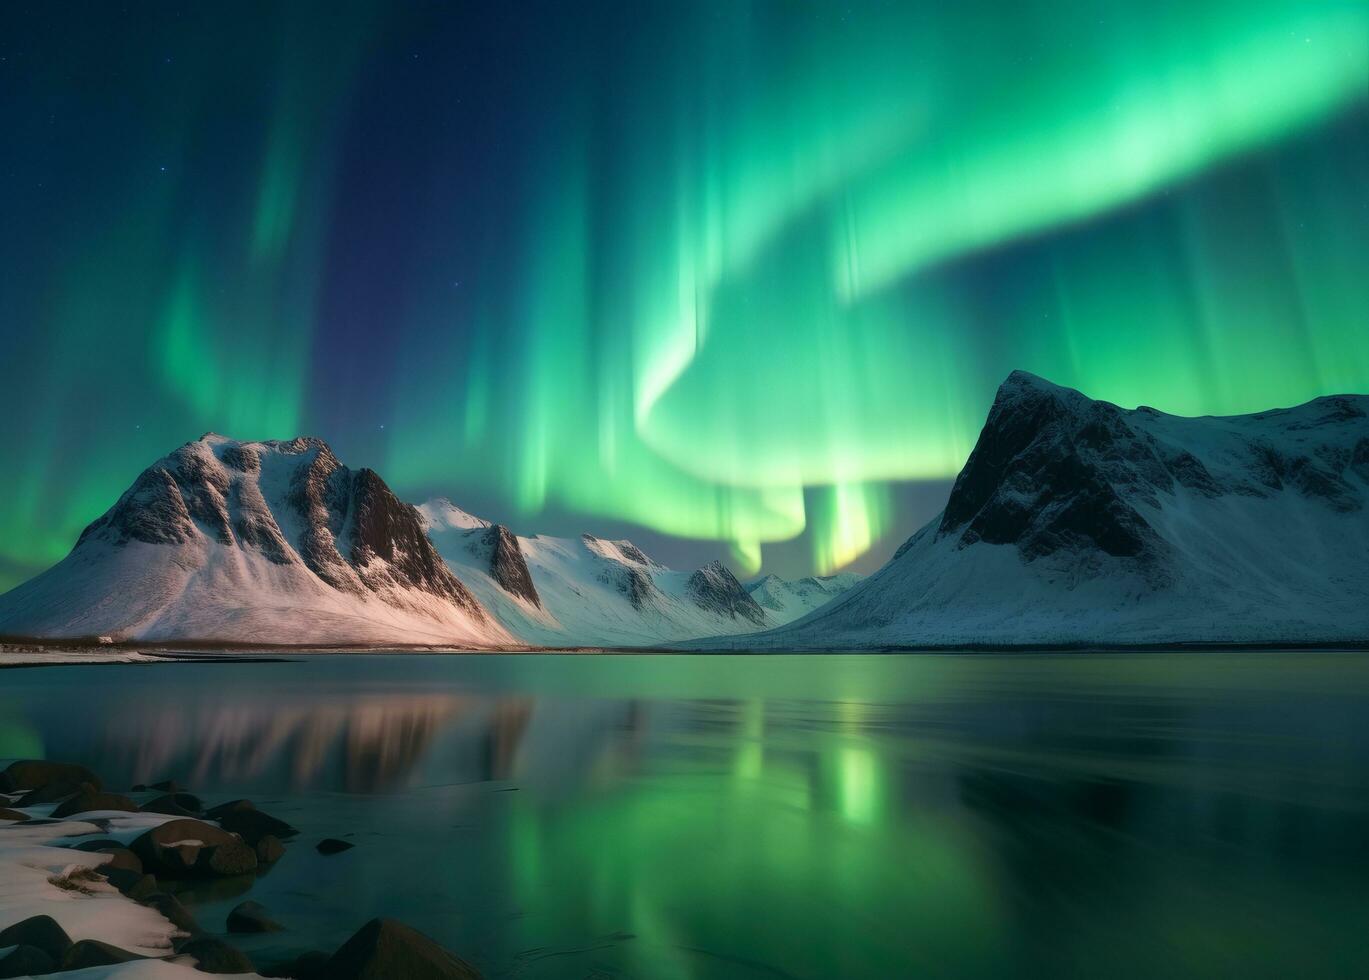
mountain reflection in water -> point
(866, 817)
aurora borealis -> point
(732, 272)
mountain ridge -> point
(277, 543)
(1078, 523)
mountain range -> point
(1073, 523)
(279, 543)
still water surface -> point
(1195, 815)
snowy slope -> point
(590, 591)
(264, 542)
(1075, 521)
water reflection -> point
(779, 817)
(363, 745)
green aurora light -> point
(726, 270)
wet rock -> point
(31, 774)
(174, 848)
(166, 786)
(173, 911)
(40, 931)
(8, 814)
(122, 859)
(132, 884)
(54, 792)
(232, 806)
(384, 948)
(252, 825)
(216, 956)
(252, 917)
(227, 860)
(306, 966)
(92, 952)
(89, 801)
(331, 845)
(25, 961)
(176, 805)
(270, 850)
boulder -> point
(54, 792)
(227, 860)
(216, 956)
(25, 961)
(166, 786)
(89, 801)
(252, 917)
(8, 814)
(385, 948)
(176, 805)
(331, 845)
(269, 850)
(31, 774)
(132, 884)
(92, 952)
(173, 911)
(121, 859)
(41, 931)
(232, 806)
(175, 847)
(252, 825)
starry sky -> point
(732, 278)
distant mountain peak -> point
(715, 587)
(622, 550)
(507, 566)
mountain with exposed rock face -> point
(279, 543)
(714, 587)
(254, 542)
(1078, 522)
(592, 591)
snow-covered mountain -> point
(278, 543)
(254, 542)
(788, 599)
(1075, 521)
(589, 591)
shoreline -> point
(90, 879)
(21, 654)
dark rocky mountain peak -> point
(1053, 469)
(348, 527)
(715, 588)
(508, 567)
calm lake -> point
(1082, 815)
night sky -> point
(742, 274)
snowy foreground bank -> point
(79, 892)
(18, 656)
